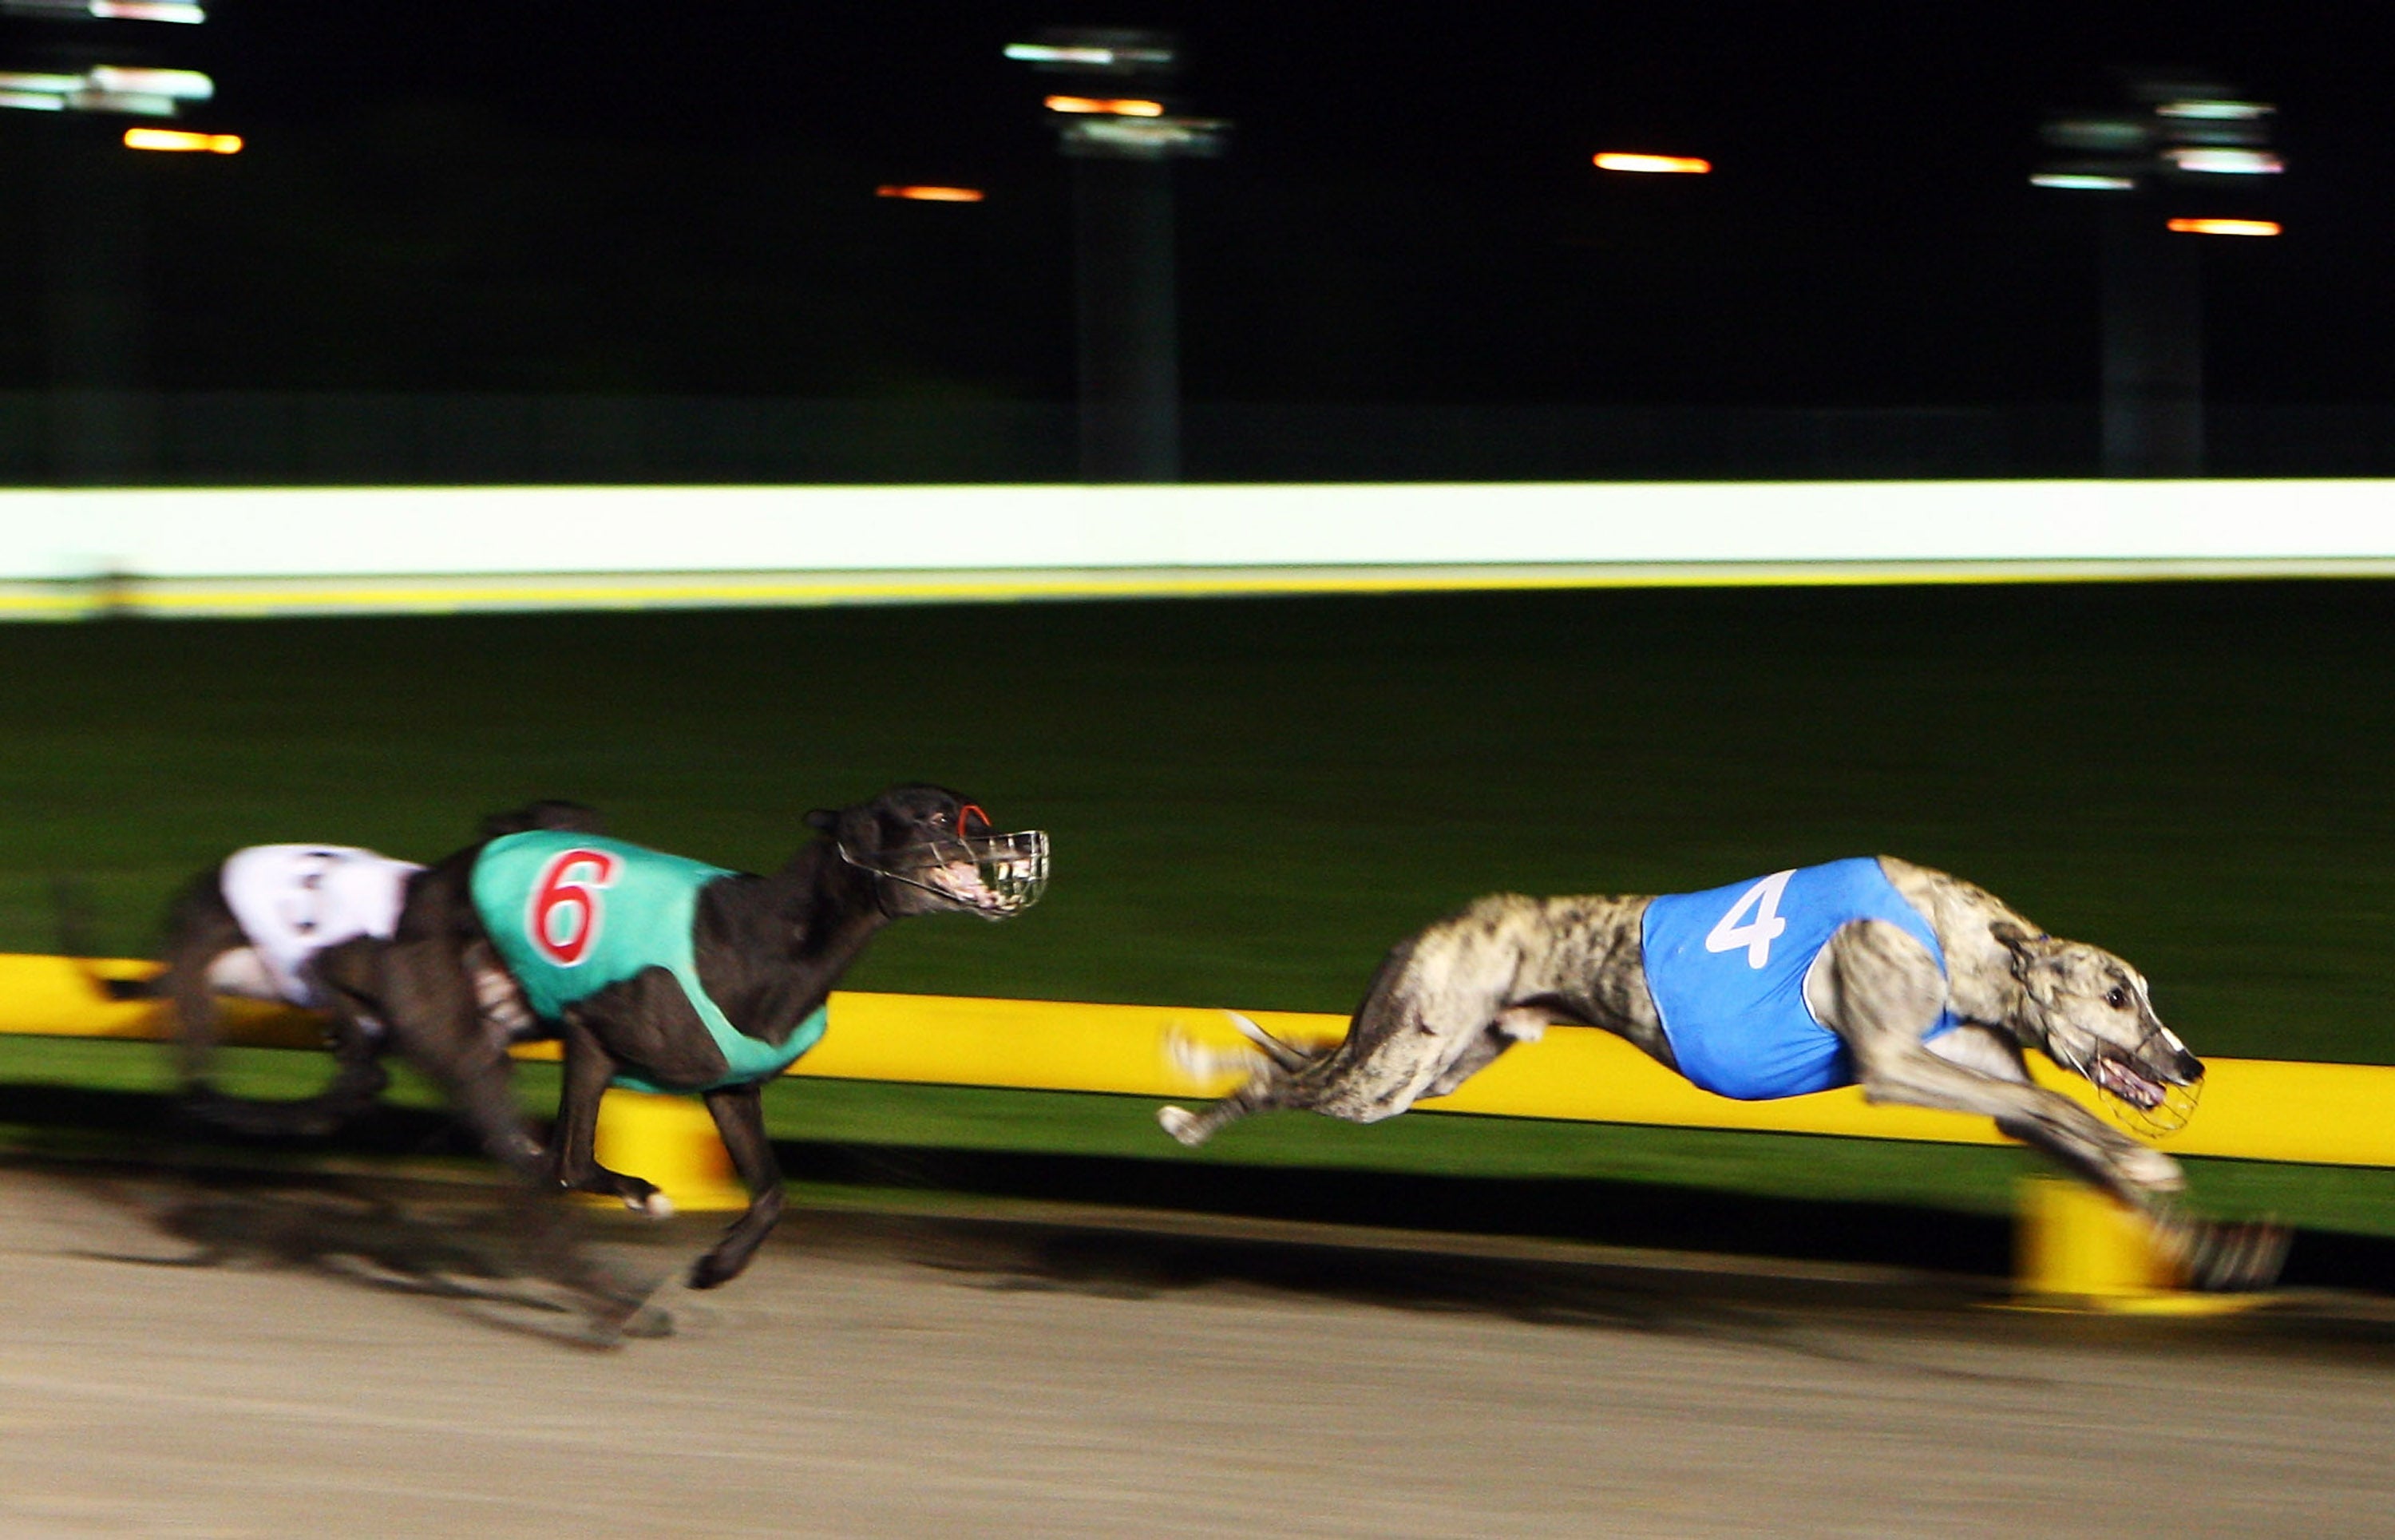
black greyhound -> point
(210, 952)
(758, 955)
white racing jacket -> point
(294, 900)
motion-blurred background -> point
(549, 243)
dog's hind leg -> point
(1260, 1093)
(201, 931)
(1435, 1012)
(1518, 1024)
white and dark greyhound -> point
(1922, 988)
(255, 926)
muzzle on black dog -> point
(995, 876)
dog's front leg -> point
(1879, 989)
(573, 1158)
(740, 1113)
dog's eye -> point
(2117, 998)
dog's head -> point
(938, 852)
(2092, 1013)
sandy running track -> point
(903, 1383)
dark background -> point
(605, 198)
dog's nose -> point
(2185, 1069)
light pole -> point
(2180, 142)
(100, 428)
(1123, 141)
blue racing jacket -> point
(1726, 970)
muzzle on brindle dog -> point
(1449, 1000)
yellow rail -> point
(2260, 1109)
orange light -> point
(2226, 227)
(177, 138)
(1620, 160)
(1110, 106)
(930, 194)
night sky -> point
(543, 195)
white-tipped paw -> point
(2154, 1170)
(657, 1205)
(1201, 1061)
(1182, 1124)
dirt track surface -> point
(915, 1380)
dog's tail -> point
(1282, 1053)
(71, 910)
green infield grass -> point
(1251, 800)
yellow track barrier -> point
(2253, 1109)
(2078, 1249)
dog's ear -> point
(2018, 940)
(823, 820)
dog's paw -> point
(2153, 1171)
(1201, 1062)
(2238, 1258)
(1183, 1125)
(656, 1204)
(712, 1272)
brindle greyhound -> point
(765, 952)
(1451, 998)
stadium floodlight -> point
(1143, 138)
(1106, 106)
(914, 194)
(1097, 50)
(180, 11)
(107, 89)
(2083, 181)
(42, 83)
(181, 85)
(2225, 163)
(182, 140)
(2172, 128)
(2216, 112)
(1626, 160)
(2226, 227)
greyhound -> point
(662, 973)
(1923, 988)
(255, 925)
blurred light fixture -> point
(2226, 227)
(177, 138)
(1143, 138)
(108, 11)
(2170, 127)
(1624, 159)
(107, 89)
(37, 93)
(1120, 56)
(928, 195)
(2225, 163)
(2216, 112)
(181, 85)
(2084, 181)
(1108, 106)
